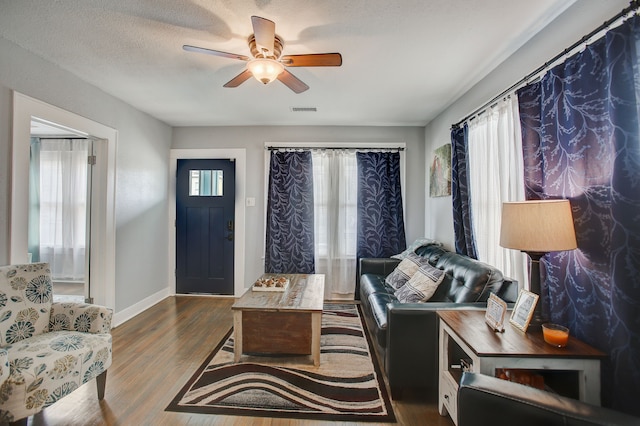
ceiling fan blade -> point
(189, 48)
(239, 79)
(265, 32)
(313, 60)
(292, 82)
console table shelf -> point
(464, 334)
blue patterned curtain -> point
(290, 243)
(581, 141)
(463, 231)
(380, 215)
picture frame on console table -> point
(523, 310)
(494, 316)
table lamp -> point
(537, 227)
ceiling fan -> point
(267, 62)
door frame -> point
(240, 157)
(103, 229)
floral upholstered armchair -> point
(47, 350)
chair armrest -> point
(486, 400)
(4, 365)
(80, 317)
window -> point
(58, 205)
(335, 203)
(335, 187)
(495, 176)
(205, 183)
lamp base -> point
(537, 320)
(538, 317)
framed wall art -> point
(440, 173)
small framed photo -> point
(496, 309)
(523, 310)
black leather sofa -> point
(485, 400)
(405, 335)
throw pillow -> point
(417, 243)
(405, 270)
(421, 286)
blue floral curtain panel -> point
(463, 231)
(581, 141)
(289, 239)
(380, 215)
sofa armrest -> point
(80, 317)
(412, 344)
(431, 308)
(378, 266)
(481, 397)
(373, 265)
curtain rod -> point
(60, 138)
(633, 6)
(327, 148)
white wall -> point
(577, 21)
(253, 139)
(141, 167)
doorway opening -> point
(99, 250)
(205, 225)
(60, 190)
(238, 156)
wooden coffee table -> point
(287, 322)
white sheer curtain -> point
(63, 206)
(496, 175)
(335, 189)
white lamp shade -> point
(265, 70)
(538, 226)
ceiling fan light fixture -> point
(269, 64)
(265, 70)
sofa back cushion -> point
(466, 280)
(431, 253)
(25, 301)
(419, 243)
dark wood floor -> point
(155, 353)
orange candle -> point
(555, 335)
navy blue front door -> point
(205, 209)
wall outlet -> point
(251, 202)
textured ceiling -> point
(403, 61)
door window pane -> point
(205, 183)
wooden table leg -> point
(237, 335)
(589, 379)
(316, 331)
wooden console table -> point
(486, 350)
(287, 322)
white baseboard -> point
(126, 314)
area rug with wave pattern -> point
(346, 386)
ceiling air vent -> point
(304, 109)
